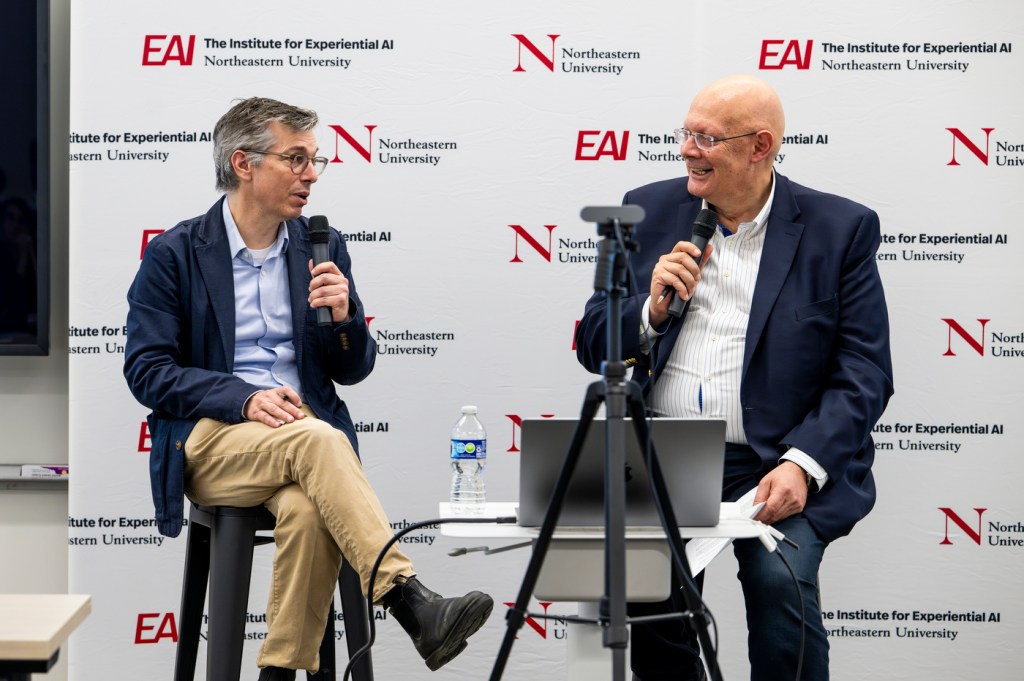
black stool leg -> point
(231, 544)
(193, 598)
(357, 631)
(328, 660)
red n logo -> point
(974, 534)
(520, 232)
(971, 146)
(978, 345)
(351, 141)
(534, 624)
(548, 62)
(517, 426)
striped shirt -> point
(701, 378)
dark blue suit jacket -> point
(816, 370)
(181, 335)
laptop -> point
(691, 453)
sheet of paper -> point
(702, 550)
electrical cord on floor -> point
(502, 520)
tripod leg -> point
(517, 613)
(677, 548)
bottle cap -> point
(469, 409)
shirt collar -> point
(761, 219)
(237, 243)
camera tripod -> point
(621, 398)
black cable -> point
(803, 618)
(503, 520)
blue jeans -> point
(668, 650)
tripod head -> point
(615, 226)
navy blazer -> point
(181, 336)
(817, 371)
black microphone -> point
(703, 229)
(320, 236)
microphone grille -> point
(706, 223)
(319, 229)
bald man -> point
(785, 336)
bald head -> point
(744, 116)
(744, 103)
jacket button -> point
(177, 445)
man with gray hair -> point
(224, 346)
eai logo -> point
(592, 145)
(517, 426)
(546, 60)
(145, 439)
(161, 50)
(969, 144)
(778, 54)
(976, 344)
(147, 236)
(543, 630)
(343, 135)
(974, 533)
(151, 627)
(520, 232)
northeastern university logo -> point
(553, 53)
(364, 143)
(965, 526)
(977, 146)
(539, 244)
(977, 338)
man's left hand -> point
(784, 491)
(329, 287)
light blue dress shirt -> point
(264, 348)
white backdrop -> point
(464, 138)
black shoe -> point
(438, 626)
(276, 674)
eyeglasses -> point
(705, 142)
(298, 161)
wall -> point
(34, 390)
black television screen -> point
(24, 178)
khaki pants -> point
(307, 474)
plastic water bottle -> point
(468, 457)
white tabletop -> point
(731, 524)
(33, 626)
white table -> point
(32, 629)
(573, 570)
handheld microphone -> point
(320, 236)
(703, 229)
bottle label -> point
(469, 449)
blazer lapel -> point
(299, 253)
(782, 239)
(212, 251)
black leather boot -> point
(438, 626)
(277, 674)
